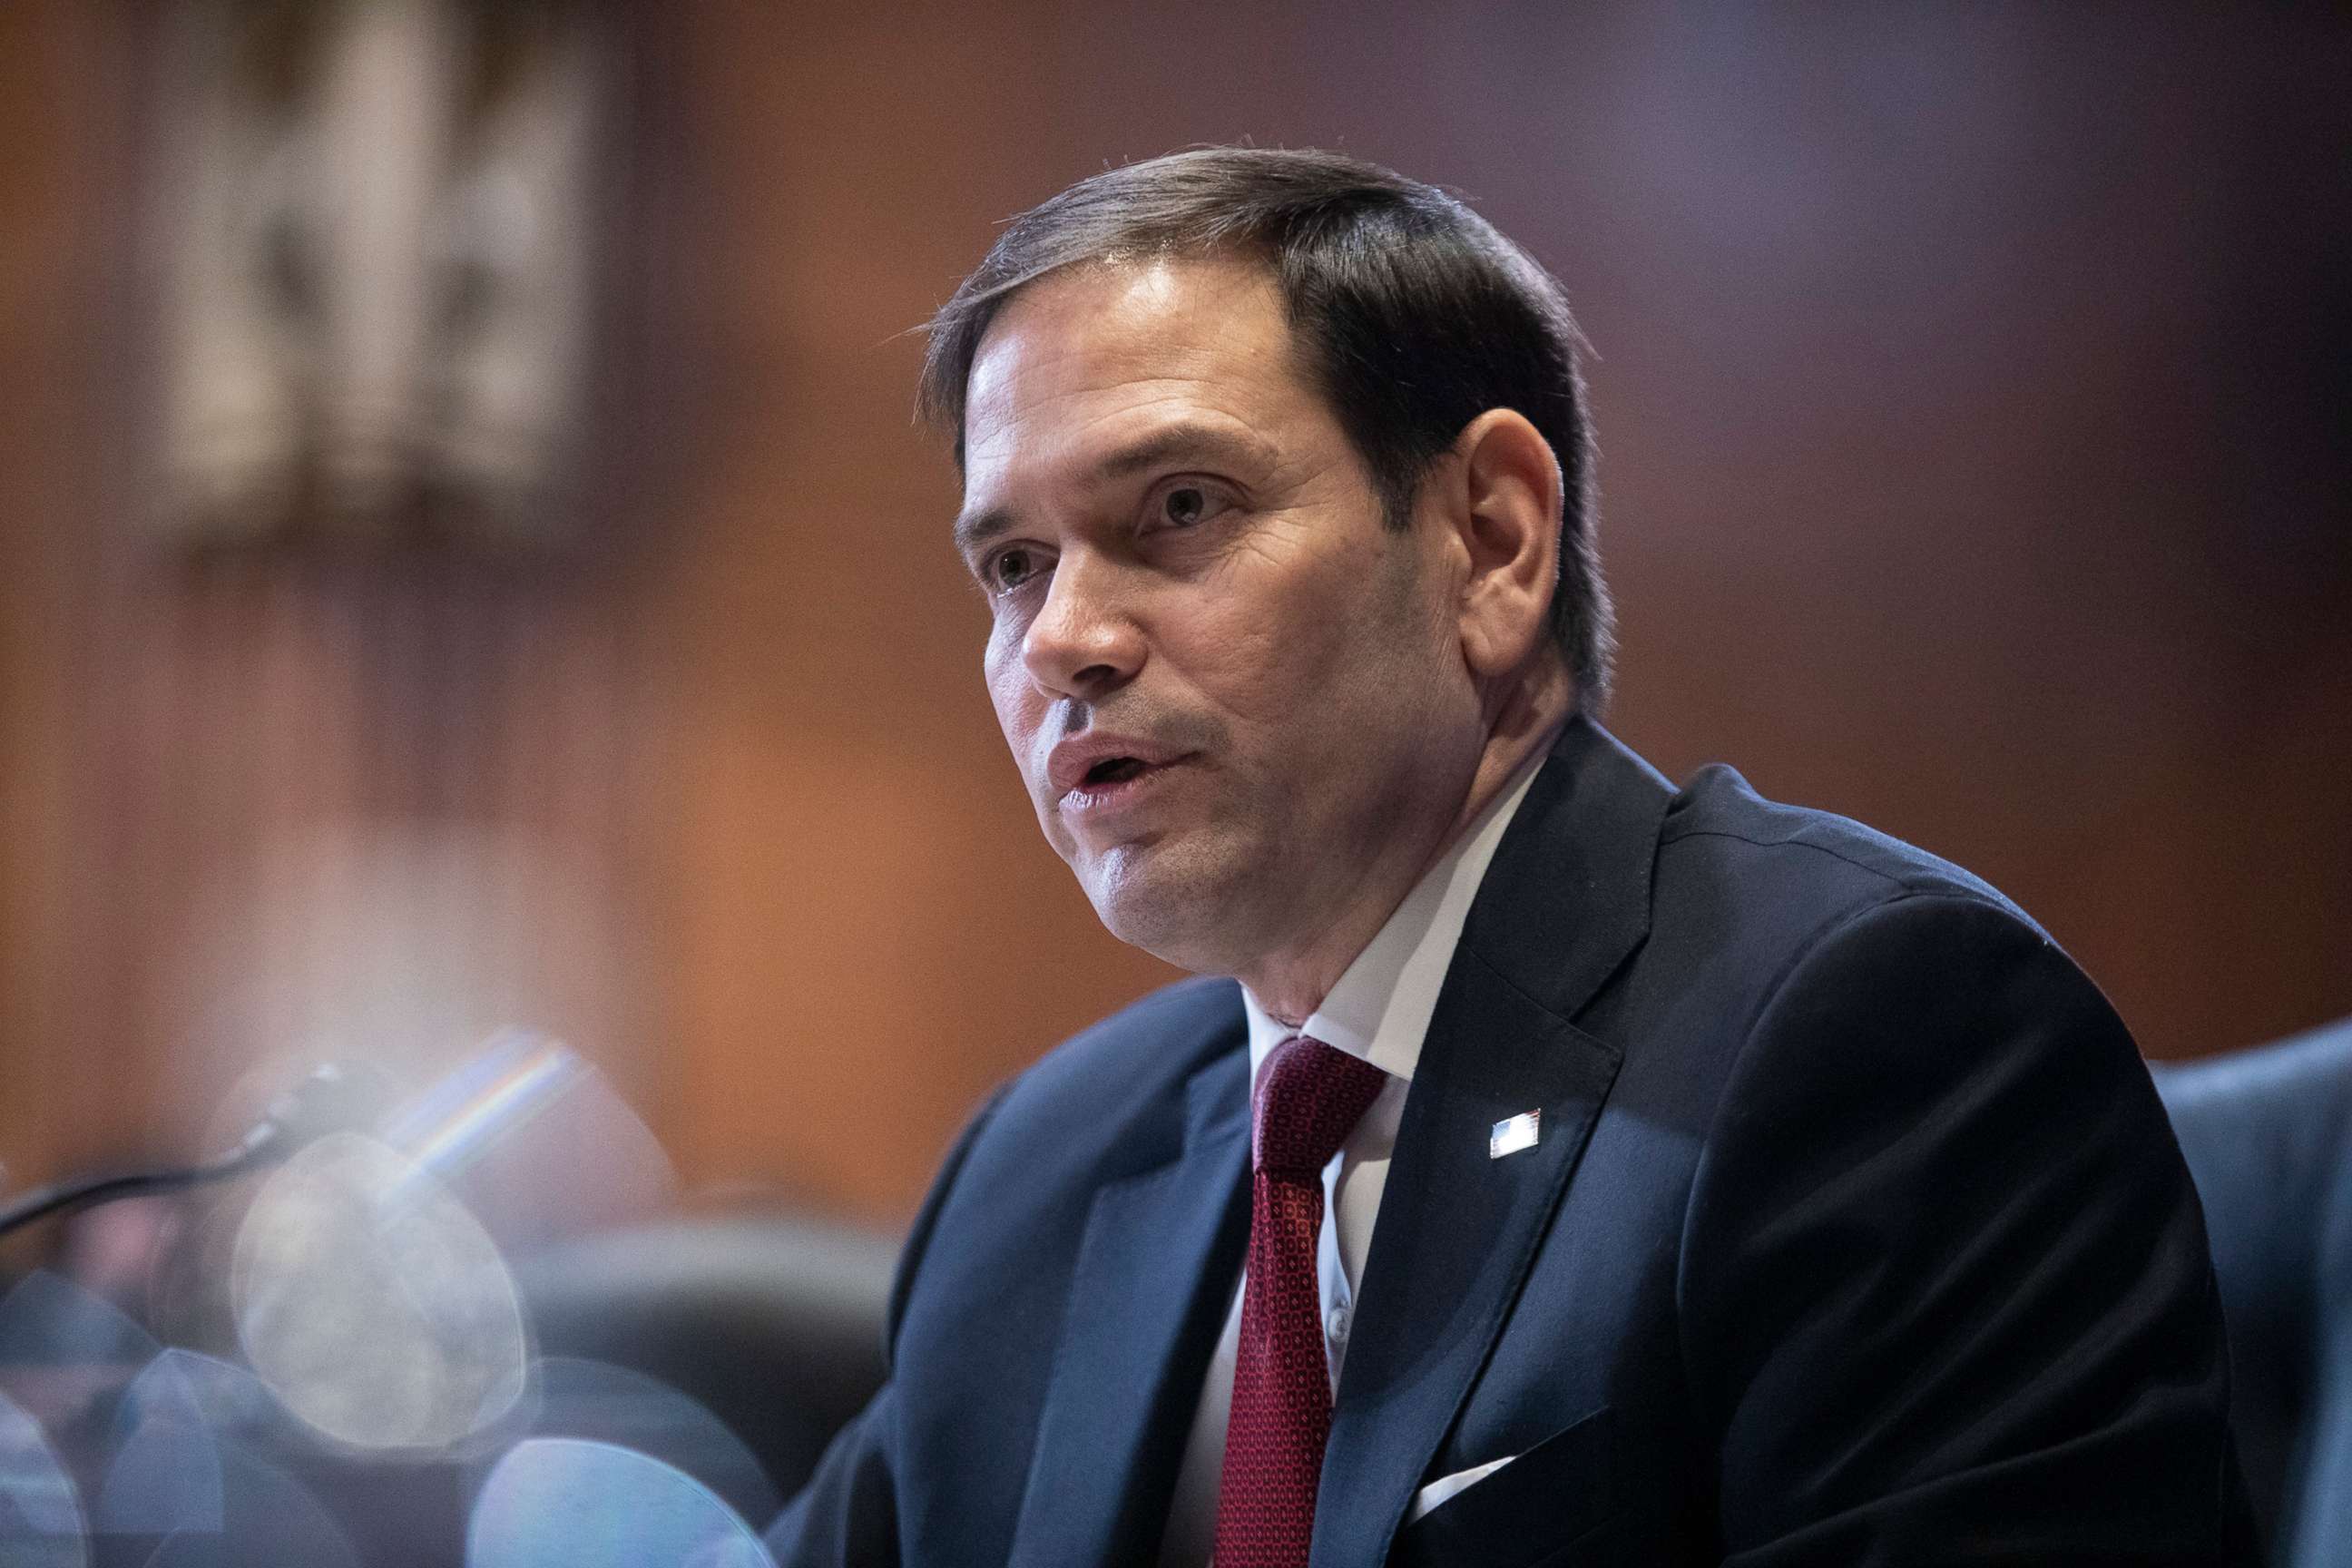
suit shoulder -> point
(1110, 1101)
(1137, 1057)
(1798, 857)
(1743, 889)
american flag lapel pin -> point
(1513, 1133)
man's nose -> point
(1085, 642)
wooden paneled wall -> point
(273, 807)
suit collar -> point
(1564, 904)
(1568, 898)
(1153, 1280)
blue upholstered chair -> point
(2268, 1133)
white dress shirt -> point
(1379, 1011)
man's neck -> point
(1291, 986)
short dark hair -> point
(1415, 315)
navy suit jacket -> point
(1855, 1234)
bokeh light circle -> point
(571, 1502)
(374, 1303)
(40, 1512)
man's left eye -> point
(1182, 506)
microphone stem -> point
(64, 1198)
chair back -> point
(772, 1322)
(2268, 1136)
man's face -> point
(1238, 700)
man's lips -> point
(1114, 786)
(1094, 763)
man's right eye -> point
(1008, 569)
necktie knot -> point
(1312, 1096)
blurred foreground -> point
(474, 1333)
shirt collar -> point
(1380, 1008)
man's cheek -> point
(1008, 693)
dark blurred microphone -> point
(516, 1076)
(332, 1098)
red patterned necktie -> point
(1311, 1096)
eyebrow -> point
(1192, 441)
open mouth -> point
(1112, 769)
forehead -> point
(1106, 355)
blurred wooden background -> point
(1972, 386)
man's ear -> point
(1507, 516)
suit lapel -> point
(1455, 1232)
(1153, 1282)
(1564, 903)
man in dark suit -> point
(1623, 1173)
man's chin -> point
(1187, 914)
